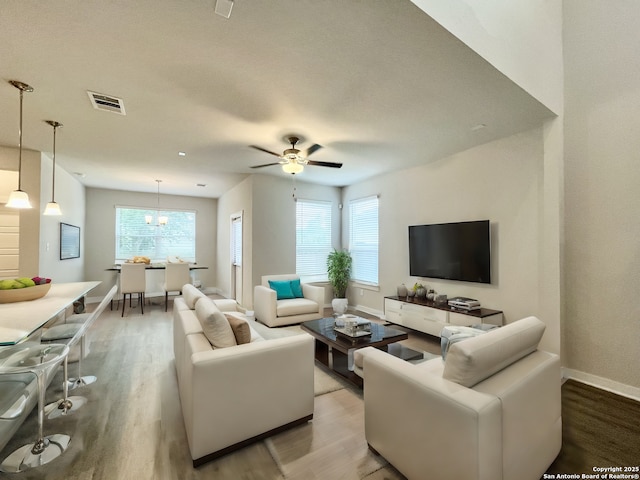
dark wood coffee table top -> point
(322, 330)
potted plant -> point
(339, 271)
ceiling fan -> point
(292, 159)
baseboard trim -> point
(231, 448)
(603, 383)
(370, 311)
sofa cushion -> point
(240, 328)
(226, 304)
(295, 306)
(296, 288)
(214, 324)
(282, 288)
(191, 295)
(477, 358)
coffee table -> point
(336, 350)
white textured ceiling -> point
(378, 83)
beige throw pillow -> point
(214, 324)
(240, 328)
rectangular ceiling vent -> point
(106, 103)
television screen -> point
(452, 251)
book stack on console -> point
(464, 303)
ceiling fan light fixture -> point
(292, 168)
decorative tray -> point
(356, 334)
(24, 294)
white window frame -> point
(160, 233)
(364, 221)
(313, 245)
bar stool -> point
(176, 276)
(36, 359)
(133, 280)
(71, 333)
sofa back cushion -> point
(191, 295)
(215, 325)
(477, 358)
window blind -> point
(135, 238)
(236, 235)
(313, 238)
(363, 239)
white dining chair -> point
(176, 275)
(133, 280)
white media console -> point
(429, 317)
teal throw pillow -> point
(296, 288)
(282, 288)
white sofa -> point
(274, 313)
(490, 411)
(236, 394)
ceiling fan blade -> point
(264, 150)
(313, 148)
(324, 164)
(266, 165)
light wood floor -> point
(132, 426)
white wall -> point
(100, 231)
(270, 227)
(521, 38)
(602, 265)
(501, 181)
(70, 195)
(237, 200)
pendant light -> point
(162, 220)
(52, 207)
(18, 198)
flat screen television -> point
(452, 251)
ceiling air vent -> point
(106, 103)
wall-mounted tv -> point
(452, 251)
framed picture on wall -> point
(69, 241)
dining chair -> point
(176, 275)
(133, 280)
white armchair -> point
(287, 311)
(490, 411)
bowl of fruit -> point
(23, 289)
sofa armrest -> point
(264, 304)
(240, 392)
(410, 415)
(315, 293)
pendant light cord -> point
(20, 144)
(53, 185)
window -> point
(236, 241)
(135, 238)
(363, 239)
(313, 239)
